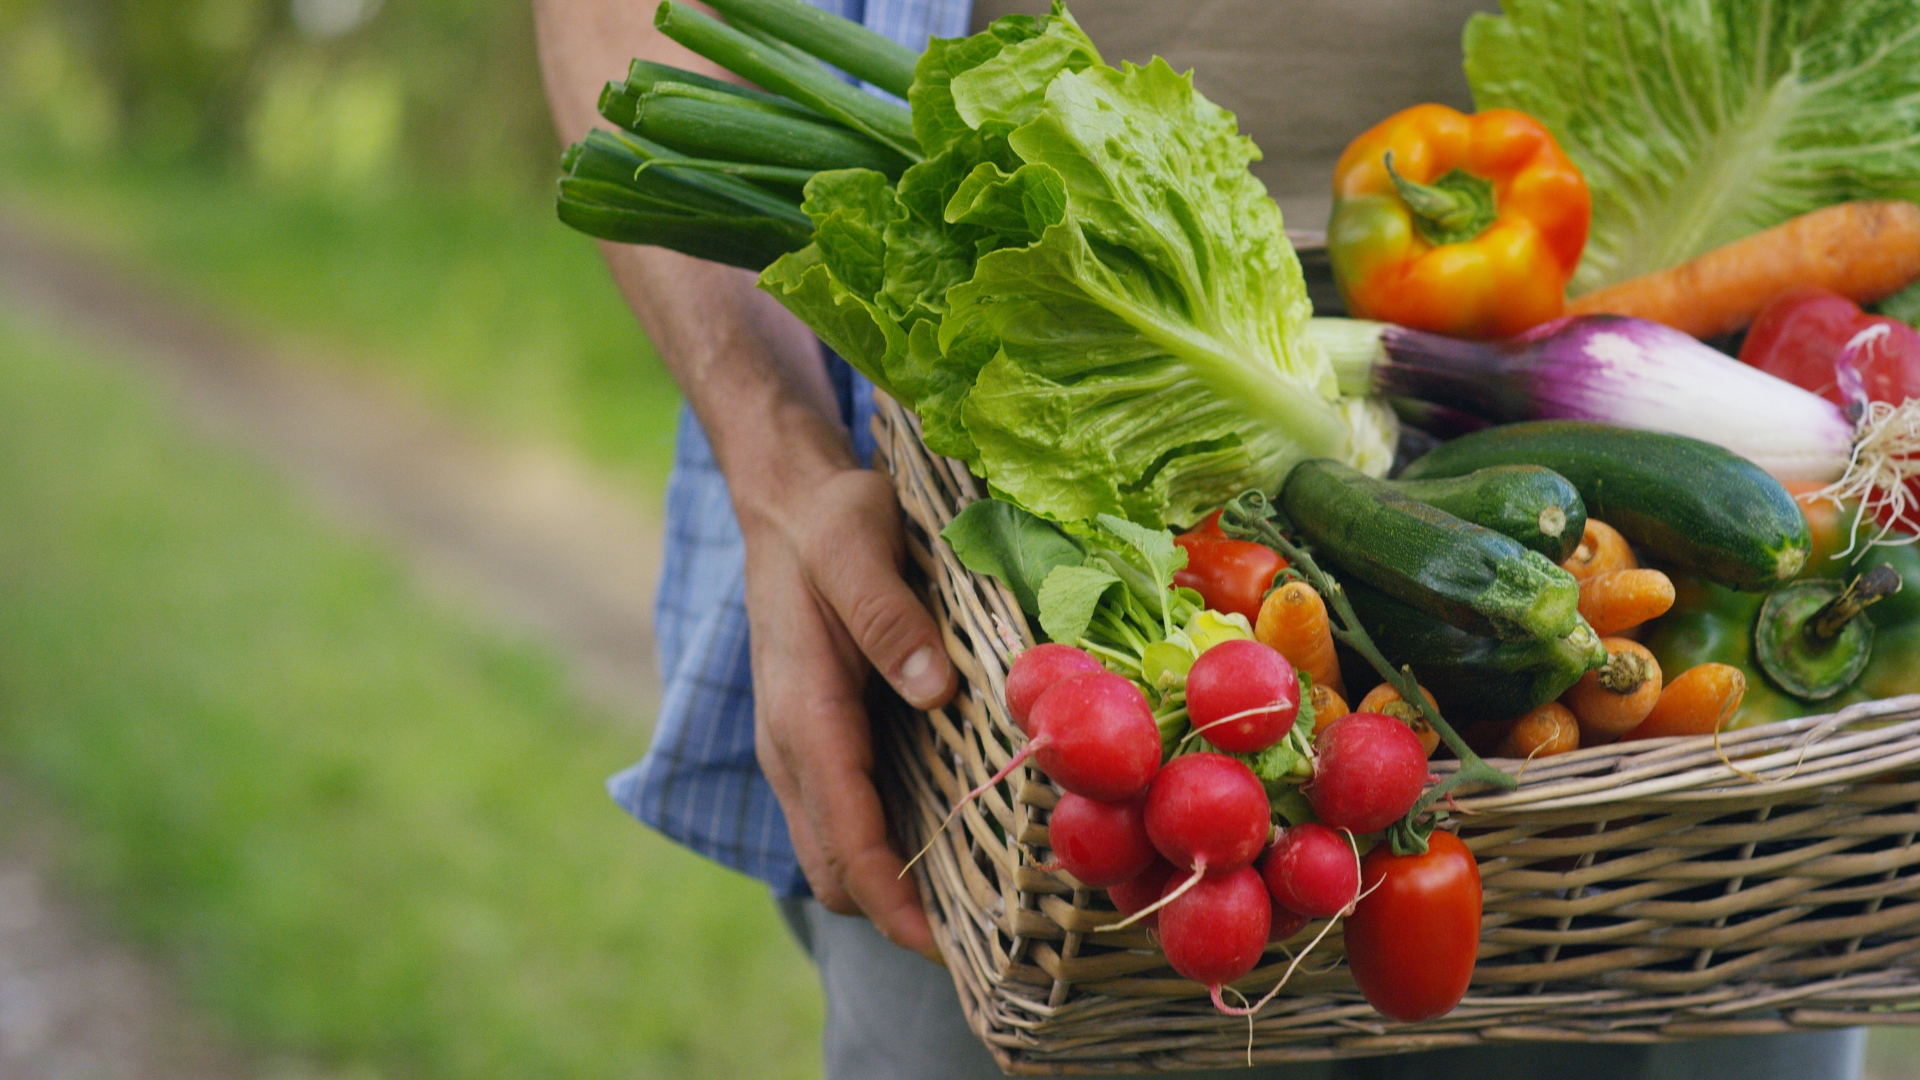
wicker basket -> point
(1634, 893)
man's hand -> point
(825, 599)
(827, 604)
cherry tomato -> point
(1230, 575)
(1411, 940)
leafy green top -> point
(1082, 291)
(1699, 123)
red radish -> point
(1140, 891)
(1093, 734)
(1285, 923)
(1368, 772)
(1313, 871)
(1208, 815)
(1101, 844)
(1216, 931)
(1208, 812)
(1037, 669)
(1242, 696)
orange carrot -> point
(1602, 550)
(1293, 622)
(1865, 251)
(1613, 700)
(1549, 729)
(1328, 706)
(1698, 702)
(1624, 599)
(1386, 701)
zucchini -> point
(1455, 570)
(1695, 505)
(1471, 676)
(1536, 506)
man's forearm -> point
(750, 370)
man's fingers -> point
(806, 845)
(861, 582)
(845, 811)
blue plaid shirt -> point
(699, 783)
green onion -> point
(776, 174)
(621, 159)
(701, 123)
(745, 241)
(643, 75)
(777, 107)
(619, 104)
(808, 84)
(846, 45)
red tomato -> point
(1800, 335)
(1411, 940)
(1230, 575)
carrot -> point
(1328, 706)
(1698, 702)
(1865, 251)
(1547, 730)
(1602, 550)
(1612, 701)
(1293, 623)
(1624, 599)
(1386, 701)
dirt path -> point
(74, 1002)
(527, 539)
(530, 537)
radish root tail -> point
(1294, 964)
(1199, 871)
(1019, 759)
(1886, 454)
(1241, 715)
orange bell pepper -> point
(1462, 225)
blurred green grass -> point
(364, 830)
(481, 303)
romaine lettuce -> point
(1082, 291)
(1698, 123)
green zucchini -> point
(1471, 676)
(1455, 570)
(1536, 506)
(1689, 503)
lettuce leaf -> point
(1152, 357)
(1699, 123)
(1082, 291)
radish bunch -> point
(1188, 848)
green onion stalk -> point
(715, 169)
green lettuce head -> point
(1699, 123)
(1083, 292)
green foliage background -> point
(368, 835)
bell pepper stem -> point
(1876, 584)
(1249, 516)
(1452, 210)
